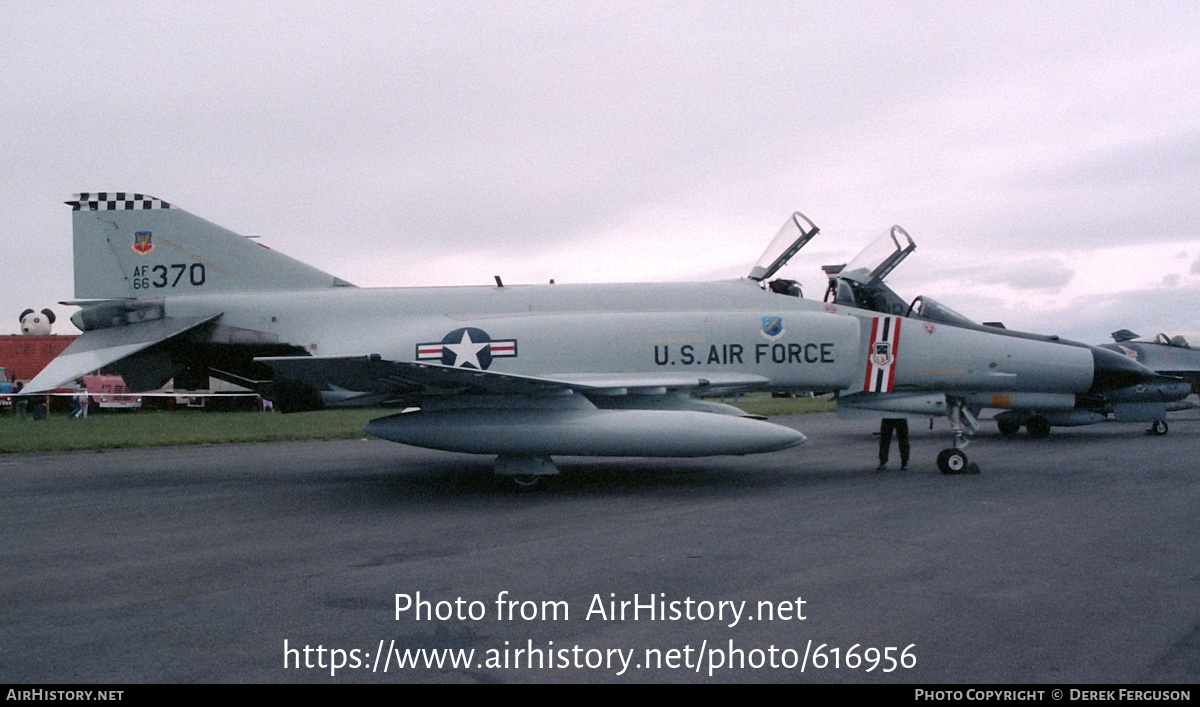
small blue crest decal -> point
(772, 327)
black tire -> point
(952, 461)
(1008, 429)
(1158, 428)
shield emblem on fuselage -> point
(142, 243)
(881, 355)
(772, 327)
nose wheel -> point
(954, 460)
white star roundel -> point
(468, 347)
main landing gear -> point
(1158, 428)
(954, 460)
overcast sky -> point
(1044, 156)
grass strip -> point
(155, 428)
(146, 428)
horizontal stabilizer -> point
(101, 347)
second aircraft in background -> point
(860, 284)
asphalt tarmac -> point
(1070, 559)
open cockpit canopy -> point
(798, 231)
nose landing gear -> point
(954, 460)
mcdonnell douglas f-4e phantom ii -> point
(860, 284)
(520, 372)
(1168, 354)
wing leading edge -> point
(525, 419)
(372, 375)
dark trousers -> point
(885, 439)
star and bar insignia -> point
(467, 348)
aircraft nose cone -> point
(1175, 390)
(1113, 371)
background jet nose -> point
(1113, 371)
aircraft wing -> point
(525, 419)
(98, 348)
(373, 375)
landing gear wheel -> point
(1158, 428)
(1038, 427)
(952, 461)
(1009, 429)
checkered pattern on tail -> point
(116, 201)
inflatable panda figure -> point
(36, 323)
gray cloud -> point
(380, 140)
(1049, 274)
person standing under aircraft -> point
(900, 425)
(20, 404)
(81, 401)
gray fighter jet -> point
(520, 372)
(860, 284)
(1168, 354)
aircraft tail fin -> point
(135, 246)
